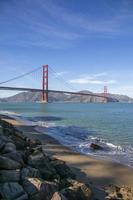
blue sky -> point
(88, 42)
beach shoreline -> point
(87, 168)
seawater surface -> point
(77, 125)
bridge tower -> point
(105, 93)
(45, 84)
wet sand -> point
(89, 169)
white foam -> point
(9, 113)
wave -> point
(78, 139)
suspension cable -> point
(21, 76)
(61, 79)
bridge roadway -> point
(55, 91)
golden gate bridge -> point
(45, 89)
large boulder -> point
(9, 147)
(77, 191)
(12, 191)
(38, 189)
(7, 163)
(42, 163)
(9, 176)
(16, 156)
(3, 141)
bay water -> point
(78, 125)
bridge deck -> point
(55, 91)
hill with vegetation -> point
(58, 97)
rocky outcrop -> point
(26, 172)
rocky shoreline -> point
(27, 172)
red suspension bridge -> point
(45, 89)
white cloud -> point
(91, 81)
(97, 79)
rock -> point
(5, 138)
(3, 141)
(64, 183)
(32, 143)
(78, 191)
(120, 193)
(126, 193)
(42, 163)
(96, 146)
(19, 141)
(7, 163)
(9, 176)
(31, 185)
(58, 196)
(1, 130)
(9, 147)
(62, 169)
(37, 149)
(38, 189)
(13, 191)
(2, 144)
(16, 155)
(30, 172)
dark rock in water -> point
(62, 169)
(58, 196)
(9, 176)
(77, 191)
(7, 163)
(45, 190)
(30, 172)
(13, 191)
(9, 147)
(96, 146)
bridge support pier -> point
(45, 84)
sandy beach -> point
(89, 169)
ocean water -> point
(77, 125)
